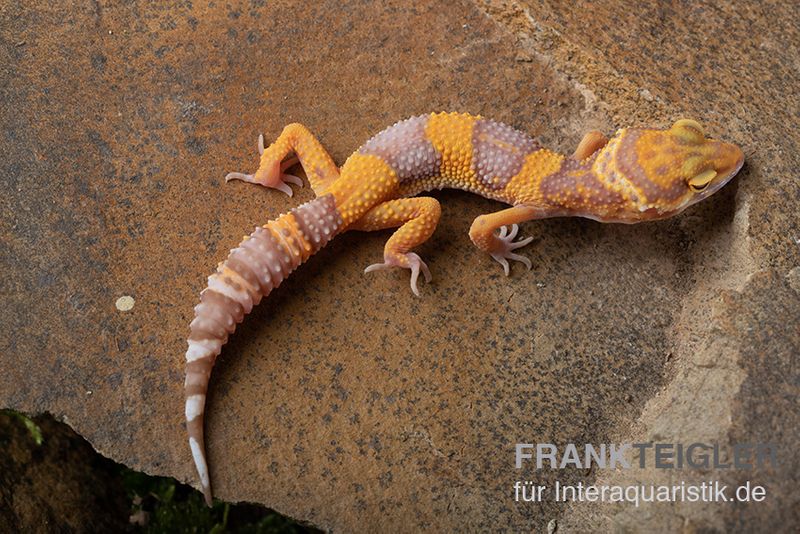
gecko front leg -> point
(592, 142)
(501, 246)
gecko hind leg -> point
(295, 139)
(417, 218)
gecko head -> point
(705, 165)
(669, 170)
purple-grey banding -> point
(405, 147)
(574, 184)
(219, 309)
(318, 221)
(267, 257)
(499, 152)
(627, 162)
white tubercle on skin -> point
(207, 324)
(253, 291)
(284, 266)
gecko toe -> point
(410, 261)
(415, 261)
(376, 267)
(521, 259)
(505, 244)
(520, 244)
(239, 176)
(499, 258)
(282, 187)
(292, 179)
(414, 276)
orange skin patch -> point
(451, 136)
(525, 187)
(366, 181)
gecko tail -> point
(199, 456)
(252, 270)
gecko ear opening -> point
(689, 130)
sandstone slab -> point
(343, 400)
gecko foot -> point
(506, 245)
(408, 260)
(270, 175)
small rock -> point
(125, 303)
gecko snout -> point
(727, 159)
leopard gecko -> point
(639, 174)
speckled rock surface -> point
(343, 400)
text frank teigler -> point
(746, 456)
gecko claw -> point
(507, 245)
(260, 144)
(282, 187)
(410, 261)
(239, 176)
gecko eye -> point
(701, 181)
(689, 131)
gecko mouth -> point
(726, 176)
(725, 173)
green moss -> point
(164, 505)
(154, 504)
(30, 424)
